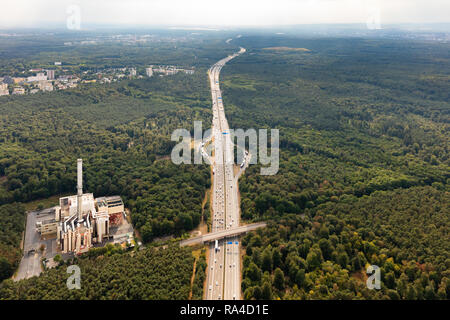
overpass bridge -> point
(222, 234)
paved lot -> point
(30, 265)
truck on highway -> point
(217, 246)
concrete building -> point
(18, 90)
(81, 221)
(45, 85)
(113, 206)
(149, 71)
(132, 72)
(170, 70)
(38, 77)
(47, 227)
(19, 80)
(8, 80)
(4, 89)
(50, 74)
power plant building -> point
(81, 220)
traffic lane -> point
(209, 291)
(232, 270)
(216, 285)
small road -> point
(222, 234)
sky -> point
(32, 13)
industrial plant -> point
(81, 221)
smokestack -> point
(79, 189)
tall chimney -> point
(79, 189)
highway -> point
(224, 276)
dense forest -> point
(110, 273)
(12, 224)
(324, 253)
(364, 166)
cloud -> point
(27, 13)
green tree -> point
(276, 258)
(300, 278)
(278, 280)
(253, 272)
(267, 291)
(314, 259)
(266, 264)
(5, 269)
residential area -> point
(46, 80)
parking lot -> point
(30, 265)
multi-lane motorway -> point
(224, 274)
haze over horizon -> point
(27, 13)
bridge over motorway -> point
(222, 234)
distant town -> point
(46, 80)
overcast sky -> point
(29, 13)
